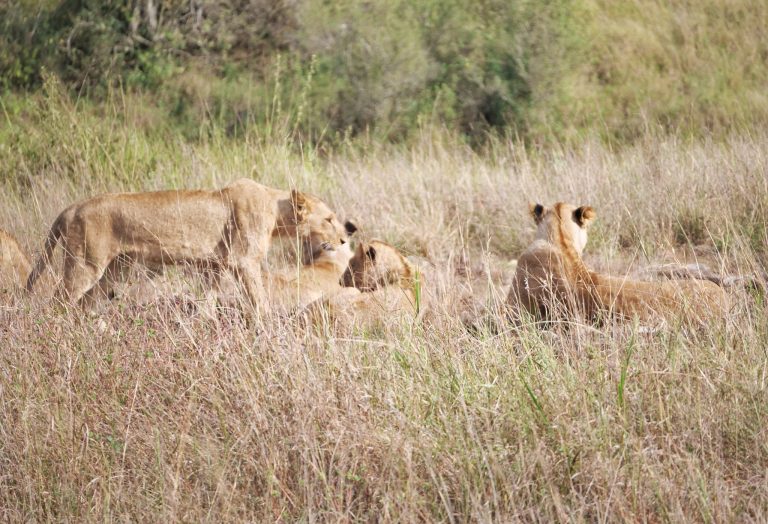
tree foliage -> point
(555, 68)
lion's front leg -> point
(250, 275)
(248, 248)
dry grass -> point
(164, 413)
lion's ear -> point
(299, 203)
(537, 211)
(371, 253)
(350, 227)
(584, 215)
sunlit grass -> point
(168, 410)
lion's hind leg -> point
(116, 272)
(82, 278)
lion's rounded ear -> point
(584, 215)
(299, 203)
(350, 227)
(371, 253)
(537, 211)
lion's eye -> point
(329, 219)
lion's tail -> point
(54, 235)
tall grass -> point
(163, 411)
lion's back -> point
(539, 279)
(702, 297)
(370, 311)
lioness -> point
(551, 278)
(229, 228)
(382, 286)
(296, 288)
(14, 263)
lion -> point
(229, 228)
(14, 263)
(380, 286)
(286, 289)
(293, 289)
(551, 279)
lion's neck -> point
(596, 291)
(286, 218)
(575, 267)
(329, 267)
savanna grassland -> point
(432, 125)
(157, 410)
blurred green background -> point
(327, 71)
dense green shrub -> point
(554, 68)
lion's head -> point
(317, 225)
(377, 264)
(563, 223)
(338, 255)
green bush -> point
(557, 69)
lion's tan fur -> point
(14, 263)
(552, 280)
(296, 288)
(229, 228)
(381, 288)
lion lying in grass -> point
(230, 228)
(382, 287)
(552, 281)
(296, 288)
(14, 263)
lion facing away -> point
(551, 279)
(14, 263)
(229, 228)
(382, 287)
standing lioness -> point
(229, 228)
